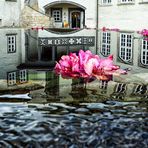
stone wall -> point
(31, 17)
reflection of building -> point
(11, 43)
(68, 31)
(124, 18)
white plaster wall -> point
(125, 17)
(10, 12)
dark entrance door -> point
(75, 19)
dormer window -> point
(57, 15)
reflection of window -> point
(106, 43)
(11, 77)
(11, 43)
(23, 76)
(105, 2)
(120, 88)
(57, 15)
(144, 53)
(140, 89)
(125, 49)
(16, 77)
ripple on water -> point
(114, 124)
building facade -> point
(12, 42)
(72, 27)
(120, 24)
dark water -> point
(88, 120)
(108, 124)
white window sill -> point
(105, 5)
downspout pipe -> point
(97, 24)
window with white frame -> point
(126, 1)
(57, 15)
(11, 43)
(125, 48)
(12, 78)
(106, 43)
(106, 2)
(23, 76)
(144, 53)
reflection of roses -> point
(87, 65)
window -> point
(17, 77)
(11, 78)
(106, 43)
(106, 2)
(144, 53)
(126, 1)
(125, 49)
(11, 43)
(139, 89)
(120, 88)
(57, 15)
(23, 76)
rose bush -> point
(87, 66)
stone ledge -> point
(22, 88)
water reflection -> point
(78, 89)
(98, 114)
(54, 88)
(108, 124)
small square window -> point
(57, 15)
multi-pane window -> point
(57, 15)
(106, 43)
(126, 1)
(11, 43)
(125, 49)
(11, 78)
(23, 76)
(105, 2)
(144, 53)
(16, 77)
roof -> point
(63, 2)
